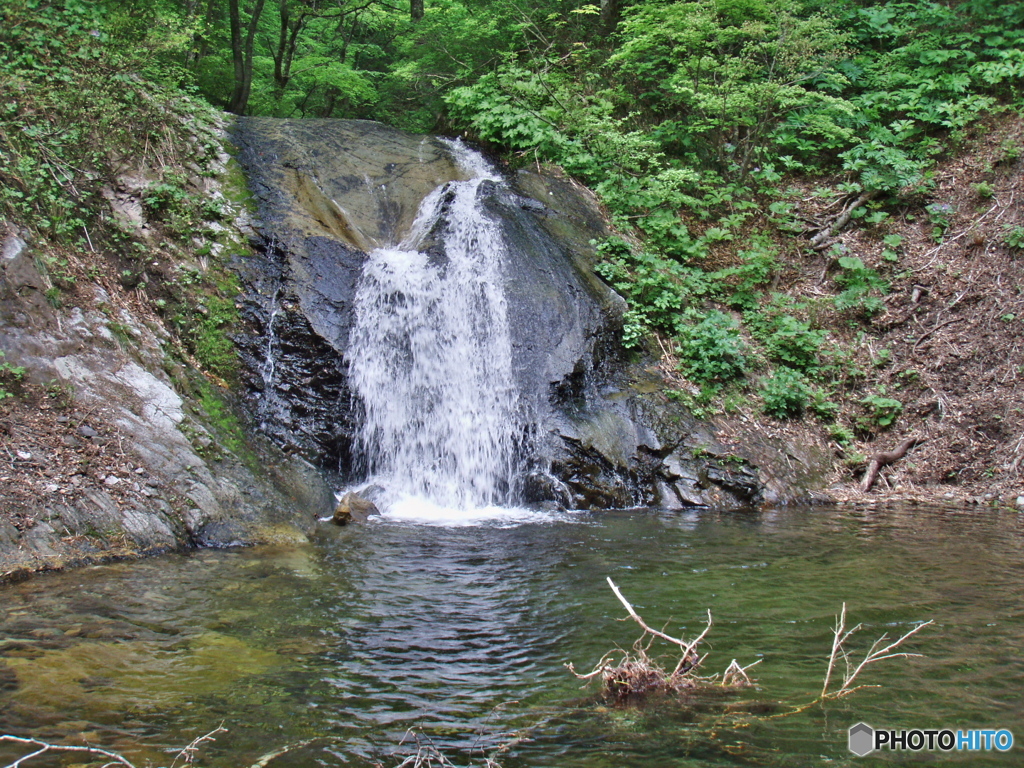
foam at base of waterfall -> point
(420, 511)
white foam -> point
(420, 511)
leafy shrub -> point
(793, 343)
(860, 284)
(938, 214)
(881, 411)
(842, 435)
(711, 349)
(785, 393)
(739, 285)
(821, 406)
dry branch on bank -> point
(823, 237)
(636, 674)
(879, 460)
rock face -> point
(603, 436)
(328, 190)
(180, 486)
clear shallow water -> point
(348, 642)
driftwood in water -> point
(877, 652)
(636, 674)
(879, 460)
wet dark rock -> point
(542, 488)
(353, 508)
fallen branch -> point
(879, 460)
(688, 648)
(933, 330)
(43, 747)
(821, 240)
(874, 654)
(188, 754)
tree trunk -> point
(202, 40)
(610, 14)
(282, 43)
(416, 9)
(241, 53)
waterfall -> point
(430, 355)
(269, 367)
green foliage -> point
(938, 215)
(893, 243)
(785, 393)
(710, 348)
(8, 375)
(724, 74)
(1013, 237)
(860, 284)
(841, 434)
(206, 327)
(881, 411)
(221, 420)
(983, 189)
(82, 109)
(792, 343)
(739, 286)
(658, 289)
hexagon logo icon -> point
(861, 739)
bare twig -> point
(636, 617)
(933, 330)
(735, 675)
(43, 747)
(874, 654)
(188, 754)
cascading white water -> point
(431, 356)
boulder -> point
(353, 508)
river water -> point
(337, 648)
